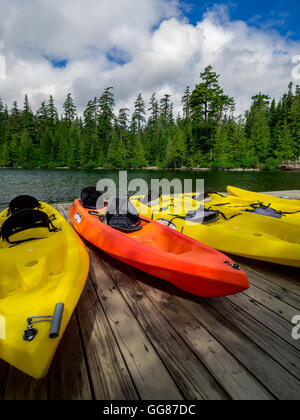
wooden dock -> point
(135, 337)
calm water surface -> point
(65, 185)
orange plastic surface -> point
(164, 253)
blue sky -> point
(282, 15)
(147, 46)
(57, 62)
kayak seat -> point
(202, 216)
(25, 220)
(23, 202)
(263, 210)
(206, 196)
(122, 224)
(89, 197)
(122, 216)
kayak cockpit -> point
(29, 246)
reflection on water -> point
(65, 185)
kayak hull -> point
(163, 253)
(283, 204)
(34, 277)
(244, 234)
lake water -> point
(65, 185)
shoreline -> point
(154, 168)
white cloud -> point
(164, 60)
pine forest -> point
(207, 133)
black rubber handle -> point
(56, 321)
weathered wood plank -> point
(275, 378)
(186, 378)
(23, 387)
(109, 374)
(280, 275)
(192, 378)
(237, 381)
(150, 376)
(138, 351)
(268, 318)
(278, 292)
(4, 368)
(272, 303)
(246, 348)
(110, 377)
(287, 356)
(68, 376)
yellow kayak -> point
(232, 205)
(230, 230)
(281, 204)
(44, 267)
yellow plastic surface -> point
(246, 234)
(231, 205)
(278, 203)
(34, 276)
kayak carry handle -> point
(56, 320)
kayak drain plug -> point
(55, 320)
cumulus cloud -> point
(136, 46)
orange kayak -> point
(162, 252)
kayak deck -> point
(35, 275)
(129, 329)
(164, 253)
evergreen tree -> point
(166, 107)
(52, 114)
(84, 154)
(15, 151)
(5, 158)
(46, 148)
(205, 133)
(90, 134)
(186, 104)
(294, 126)
(177, 149)
(42, 118)
(106, 117)
(28, 123)
(205, 95)
(258, 128)
(69, 110)
(27, 155)
(115, 152)
(154, 110)
(123, 121)
(208, 105)
(62, 135)
(74, 144)
(3, 121)
(138, 118)
(151, 135)
(90, 118)
(14, 122)
(285, 149)
(135, 155)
